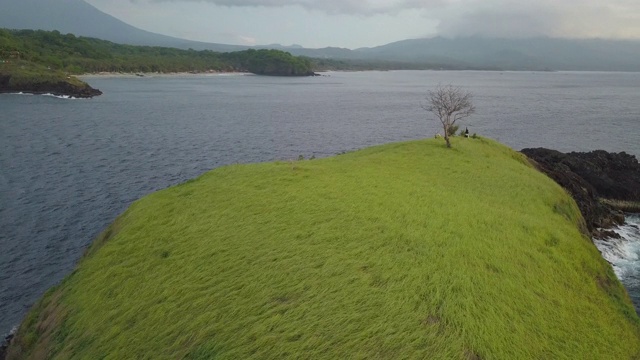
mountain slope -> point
(82, 19)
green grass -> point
(400, 251)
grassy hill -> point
(407, 250)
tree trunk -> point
(446, 136)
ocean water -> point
(624, 255)
(68, 167)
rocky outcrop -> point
(4, 80)
(596, 180)
(58, 88)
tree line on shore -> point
(77, 55)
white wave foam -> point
(67, 97)
(624, 253)
(4, 341)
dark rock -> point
(614, 176)
(604, 234)
(5, 344)
(617, 216)
(590, 177)
(4, 80)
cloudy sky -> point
(359, 23)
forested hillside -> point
(77, 55)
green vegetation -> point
(77, 55)
(327, 64)
(269, 62)
(407, 250)
(25, 73)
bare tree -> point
(449, 104)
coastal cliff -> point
(407, 250)
(603, 184)
(57, 88)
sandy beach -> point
(177, 74)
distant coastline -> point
(49, 52)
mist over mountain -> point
(515, 54)
(543, 53)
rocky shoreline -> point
(597, 181)
(57, 88)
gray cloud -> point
(502, 19)
(495, 18)
(511, 18)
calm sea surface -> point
(69, 167)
